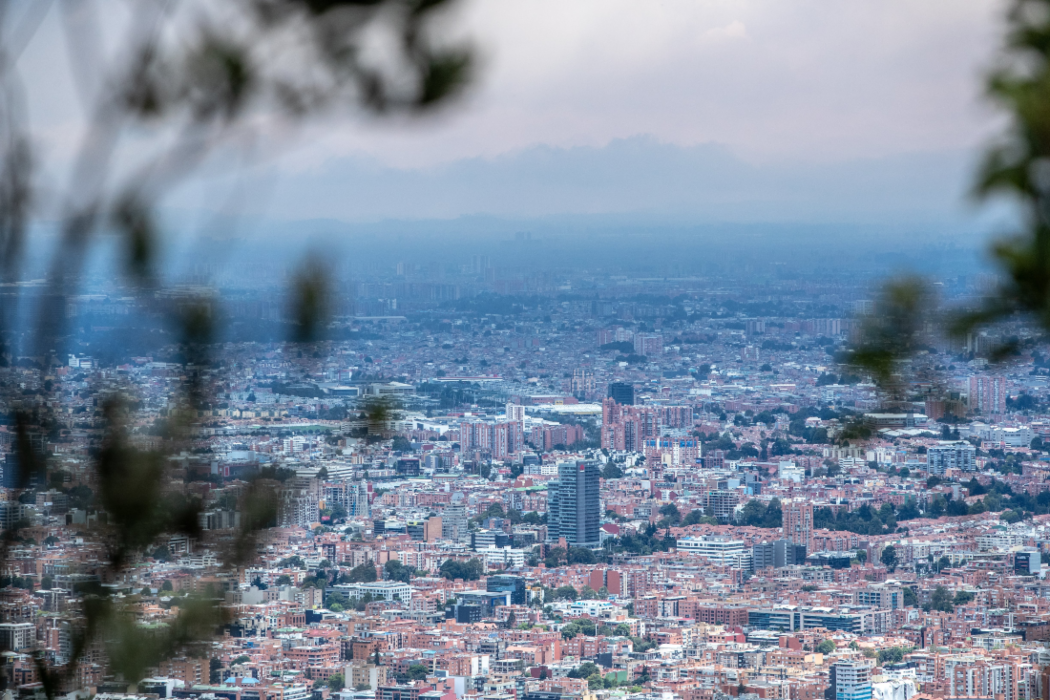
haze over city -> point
(467, 350)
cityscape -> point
(437, 350)
(634, 490)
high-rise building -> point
(755, 326)
(721, 504)
(672, 451)
(500, 440)
(16, 636)
(432, 529)
(627, 427)
(454, 524)
(648, 344)
(787, 554)
(763, 555)
(777, 554)
(10, 513)
(11, 475)
(351, 495)
(798, 523)
(504, 583)
(988, 394)
(546, 437)
(582, 381)
(1027, 562)
(863, 306)
(479, 263)
(953, 455)
(936, 409)
(823, 326)
(676, 416)
(573, 505)
(622, 393)
(851, 680)
(615, 335)
(299, 500)
(436, 462)
(415, 529)
(408, 466)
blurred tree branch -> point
(185, 79)
(1017, 167)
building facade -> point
(988, 395)
(955, 455)
(573, 505)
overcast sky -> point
(800, 79)
(845, 90)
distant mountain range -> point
(638, 176)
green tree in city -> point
(940, 600)
(889, 557)
(565, 592)
(362, 573)
(584, 670)
(893, 655)
(671, 514)
(394, 570)
(468, 571)
(293, 562)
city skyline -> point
(525, 350)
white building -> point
(15, 636)
(893, 689)
(789, 471)
(385, 590)
(1001, 540)
(293, 444)
(545, 469)
(1020, 436)
(507, 557)
(720, 550)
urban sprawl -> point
(650, 489)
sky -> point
(800, 79)
(724, 110)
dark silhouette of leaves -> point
(310, 289)
(181, 85)
(892, 333)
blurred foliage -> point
(1017, 167)
(379, 414)
(892, 333)
(310, 304)
(187, 82)
(131, 490)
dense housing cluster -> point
(658, 489)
